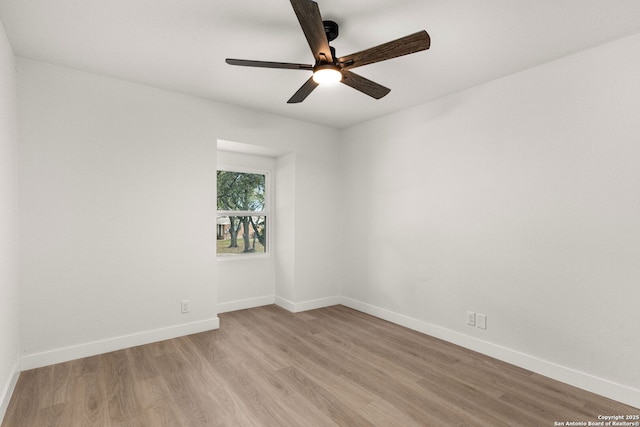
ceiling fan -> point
(331, 69)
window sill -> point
(238, 257)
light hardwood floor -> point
(268, 367)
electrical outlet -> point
(184, 306)
(481, 321)
(471, 318)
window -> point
(242, 212)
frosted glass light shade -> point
(326, 74)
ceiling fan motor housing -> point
(331, 30)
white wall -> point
(518, 199)
(118, 208)
(285, 231)
(9, 341)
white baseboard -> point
(7, 390)
(601, 386)
(246, 303)
(37, 360)
(307, 305)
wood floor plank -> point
(25, 402)
(269, 367)
(318, 395)
(178, 377)
(155, 404)
(307, 415)
(382, 413)
(119, 386)
(58, 415)
(474, 400)
(141, 363)
(90, 399)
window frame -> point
(266, 212)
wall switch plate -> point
(184, 306)
(471, 318)
(481, 321)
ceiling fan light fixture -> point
(326, 74)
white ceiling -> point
(180, 45)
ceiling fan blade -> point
(303, 92)
(268, 64)
(403, 46)
(365, 86)
(310, 20)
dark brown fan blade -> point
(310, 20)
(268, 64)
(303, 92)
(402, 46)
(365, 86)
